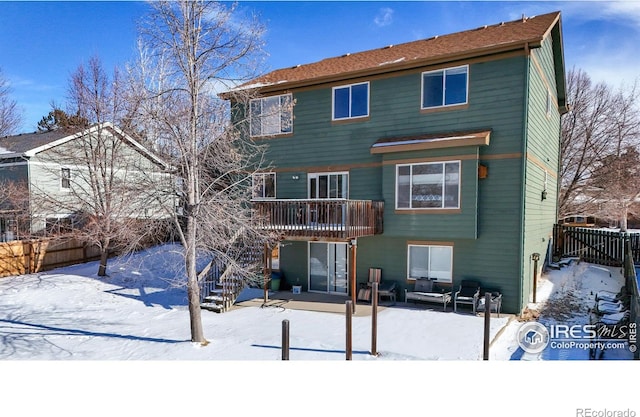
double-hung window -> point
(434, 185)
(351, 101)
(264, 185)
(445, 87)
(271, 115)
(65, 178)
(430, 261)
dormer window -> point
(351, 101)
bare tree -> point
(596, 135)
(585, 137)
(14, 210)
(192, 50)
(616, 179)
(616, 185)
(101, 200)
(10, 113)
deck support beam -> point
(353, 245)
(267, 262)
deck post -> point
(353, 244)
(487, 325)
(267, 273)
(374, 319)
(285, 340)
(349, 330)
(536, 258)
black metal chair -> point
(468, 293)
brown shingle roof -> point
(487, 39)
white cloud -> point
(623, 11)
(620, 12)
(384, 17)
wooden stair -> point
(222, 297)
(219, 289)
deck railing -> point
(330, 219)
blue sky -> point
(41, 43)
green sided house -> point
(436, 158)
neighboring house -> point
(436, 158)
(52, 169)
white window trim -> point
(409, 277)
(62, 188)
(444, 90)
(312, 175)
(253, 185)
(333, 101)
(443, 163)
(261, 99)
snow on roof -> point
(411, 141)
(431, 141)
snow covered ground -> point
(69, 334)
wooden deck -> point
(324, 219)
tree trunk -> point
(195, 316)
(104, 256)
(193, 289)
(623, 220)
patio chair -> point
(496, 300)
(385, 288)
(468, 293)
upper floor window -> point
(65, 178)
(433, 185)
(271, 115)
(351, 101)
(445, 87)
(264, 185)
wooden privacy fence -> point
(603, 247)
(31, 256)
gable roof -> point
(18, 145)
(30, 144)
(502, 37)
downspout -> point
(525, 131)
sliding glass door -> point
(329, 185)
(328, 267)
